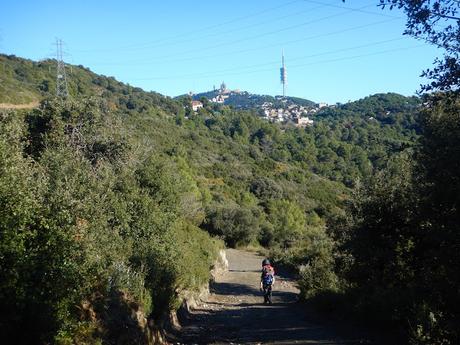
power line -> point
(167, 41)
(359, 56)
(281, 44)
(189, 33)
(275, 31)
(226, 32)
(355, 9)
(340, 50)
(217, 34)
(204, 75)
(275, 62)
(270, 21)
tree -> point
(288, 220)
(265, 188)
(437, 22)
(236, 225)
(439, 163)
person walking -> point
(267, 280)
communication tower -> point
(283, 74)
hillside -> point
(345, 143)
(24, 81)
(115, 192)
(274, 109)
(143, 178)
(245, 100)
(129, 217)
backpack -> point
(267, 275)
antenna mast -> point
(61, 78)
(283, 74)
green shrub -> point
(234, 224)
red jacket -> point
(267, 269)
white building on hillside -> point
(304, 121)
(196, 105)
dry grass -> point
(30, 105)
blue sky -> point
(334, 51)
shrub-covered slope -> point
(109, 198)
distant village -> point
(300, 115)
(283, 110)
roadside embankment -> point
(191, 300)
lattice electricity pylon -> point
(61, 79)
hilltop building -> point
(279, 109)
(223, 89)
(196, 105)
(304, 121)
(222, 93)
(219, 99)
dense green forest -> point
(397, 249)
(400, 240)
(116, 201)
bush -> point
(234, 224)
(86, 228)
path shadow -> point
(282, 324)
(235, 289)
(232, 289)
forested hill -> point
(116, 200)
(245, 100)
(386, 108)
(234, 155)
(345, 144)
(23, 81)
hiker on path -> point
(267, 280)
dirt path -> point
(234, 313)
(30, 105)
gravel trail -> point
(234, 312)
